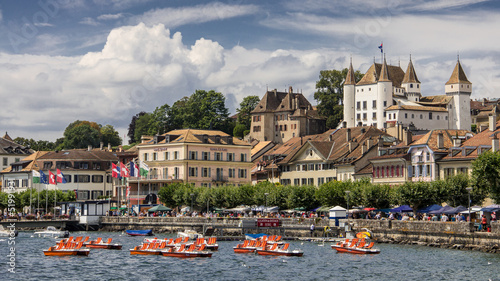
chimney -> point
(440, 140)
(330, 138)
(290, 90)
(350, 146)
(493, 120)
(369, 143)
(408, 137)
(344, 124)
(380, 145)
(101, 145)
(494, 143)
(90, 147)
(348, 134)
(109, 147)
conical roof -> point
(384, 73)
(458, 75)
(7, 137)
(410, 75)
(350, 79)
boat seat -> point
(186, 239)
(354, 241)
(245, 243)
(182, 248)
(98, 240)
(274, 247)
(202, 247)
(86, 239)
(370, 245)
(192, 247)
(79, 245)
(361, 244)
(278, 238)
(109, 240)
(285, 247)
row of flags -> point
(122, 171)
(40, 177)
(117, 172)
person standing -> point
(484, 222)
(312, 229)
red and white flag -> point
(124, 172)
(60, 177)
(52, 178)
(114, 171)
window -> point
(96, 166)
(68, 178)
(5, 161)
(230, 157)
(304, 167)
(358, 105)
(176, 173)
(97, 178)
(437, 117)
(430, 115)
(364, 104)
(193, 171)
(47, 165)
(96, 194)
(167, 155)
(232, 172)
(145, 156)
(385, 114)
(205, 172)
(364, 116)
(406, 115)
(413, 116)
(421, 116)
(281, 127)
(374, 104)
(193, 155)
(310, 181)
(242, 173)
(304, 181)
(218, 156)
(285, 127)
(155, 155)
(83, 195)
(385, 103)
(411, 85)
(358, 116)
(296, 182)
(109, 178)
(205, 155)
(176, 155)
(82, 178)
(243, 157)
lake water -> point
(395, 262)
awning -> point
(159, 208)
(455, 210)
(240, 209)
(429, 208)
(491, 208)
(402, 209)
(442, 210)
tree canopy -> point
(330, 93)
(81, 134)
(486, 175)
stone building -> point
(280, 116)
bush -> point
(65, 216)
(12, 217)
(30, 217)
(47, 217)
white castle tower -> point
(411, 84)
(460, 88)
(349, 97)
(384, 99)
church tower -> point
(384, 96)
(349, 97)
(411, 84)
(459, 87)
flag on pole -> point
(134, 170)
(115, 173)
(60, 177)
(36, 177)
(381, 47)
(144, 169)
(43, 178)
(124, 172)
(52, 178)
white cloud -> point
(110, 16)
(173, 17)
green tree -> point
(110, 136)
(246, 106)
(456, 193)
(81, 136)
(40, 145)
(486, 175)
(417, 194)
(141, 126)
(379, 196)
(329, 94)
(160, 121)
(166, 194)
(239, 130)
(131, 128)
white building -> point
(386, 96)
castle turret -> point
(460, 88)
(384, 99)
(411, 84)
(349, 97)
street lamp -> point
(266, 200)
(192, 195)
(347, 212)
(469, 189)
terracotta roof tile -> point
(396, 75)
(410, 75)
(458, 75)
(416, 107)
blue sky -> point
(105, 61)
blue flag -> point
(381, 47)
(43, 178)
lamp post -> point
(347, 193)
(469, 189)
(192, 195)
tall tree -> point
(486, 175)
(110, 136)
(246, 106)
(141, 126)
(160, 122)
(330, 93)
(131, 128)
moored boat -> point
(51, 231)
(6, 233)
(100, 244)
(355, 248)
(140, 232)
(275, 250)
(191, 234)
(67, 249)
(248, 246)
(191, 252)
(154, 248)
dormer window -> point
(411, 85)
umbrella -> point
(159, 208)
(369, 209)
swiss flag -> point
(52, 178)
(114, 171)
(124, 172)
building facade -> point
(280, 116)
(11, 152)
(387, 96)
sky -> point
(105, 61)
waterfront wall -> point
(460, 235)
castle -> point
(387, 96)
